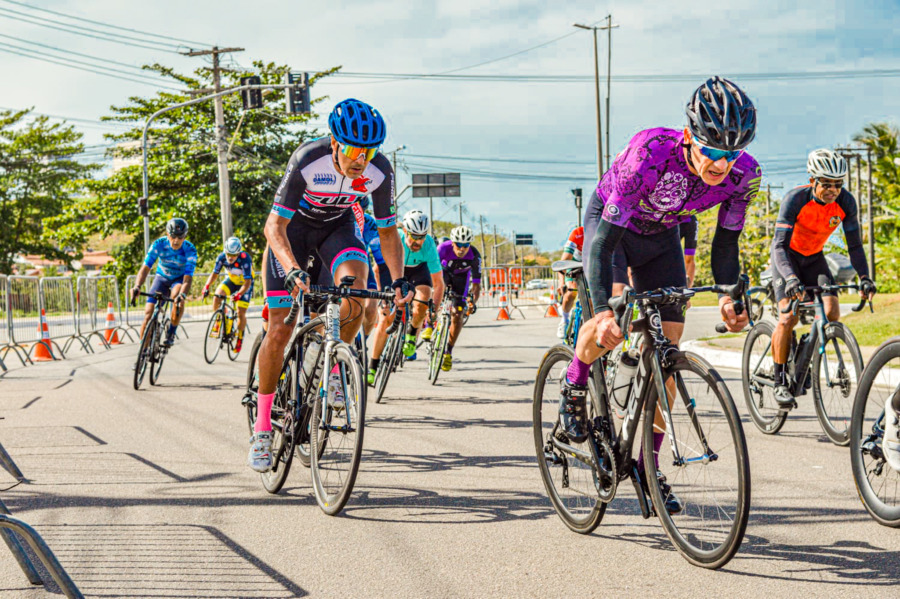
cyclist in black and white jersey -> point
(314, 211)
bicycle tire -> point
(229, 347)
(867, 427)
(158, 351)
(760, 398)
(580, 510)
(307, 397)
(434, 360)
(252, 378)
(140, 366)
(836, 413)
(694, 531)
(343, 439)
(283, 426)
(441, 347)
(213, 341)
(386, 366)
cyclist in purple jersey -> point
(461, 265)
(312, 213)
(663, 177)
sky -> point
(521, 145)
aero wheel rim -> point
(883, 481)
(762, 374)
(707, 484)
(577, 496)
(838, 389)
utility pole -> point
(481, 221)
(849, 154)
(871, 214)
(393, 154)
(596, 99)
(431, 216)
(769, 188)
(609, 27)
(460, 214)
(494, 248)
(221, 137)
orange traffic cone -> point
(112, 337)
(43, 350)
(503, 314)
(552, 312)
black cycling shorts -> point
(458, 284)
(655, 260)
(334, 244)
(807, 268)
(418, 275)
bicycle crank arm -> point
(579, 454)
(703, 459)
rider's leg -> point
(148, 313)
(832, 307)
(370, 317)
(781, 337)
(456, 327)
(420, 310)
(351, 308)
(379, 337)
(241, 319)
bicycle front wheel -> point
(157, 352)
(284, 426)
(568, 476)
(143, 359)
(338, 422)
(877, 483)
(253, 378)
(389, 358)
(703, 461)
(442, 335)
(213, 340)
(758, 379)
(835, 376)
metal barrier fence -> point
(5, 320)
(57, 296)
(25, 317)
(522, 285)
(93, 294)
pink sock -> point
(264, 413)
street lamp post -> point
(596, 99)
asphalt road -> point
(145, 494)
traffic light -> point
(577, 193)
(251, 98)
(298, 94)
(143, 209)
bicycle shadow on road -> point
(430, 422)
(384, 462)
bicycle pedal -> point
(248, 400)
(787, 407)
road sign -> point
(524, 238)
(436, 185)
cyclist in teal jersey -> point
(422, 268)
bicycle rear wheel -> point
(213, 340)
(835, 376)
(143, 359)
(442, 337)
(711, 479)
(388, 363)
(877, 484)
(284, 429)
(568, 477)
(758, 377)
(229, 347)
(157, 352)
(338, 426)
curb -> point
(719, 358)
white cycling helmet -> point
(416, 222)
(232, 245)
(462, 234)
(825, 164)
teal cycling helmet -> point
(233, 246)
(355, 123)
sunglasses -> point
(353, 153)
(462, 246)
(418, 237)
(230, 257)
(824, 185)
(716, 155)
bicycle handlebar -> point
(158, 295)
(817, 289)
(342, 291)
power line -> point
(111, 26)
(104, 36)
(63, 51)
(90, 70)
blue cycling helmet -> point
(364, 203)
(233, 246)
(355, 123)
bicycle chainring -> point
(605, 468)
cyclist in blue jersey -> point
(312, 213)
(422, 268)
(177, 259)
(663, 177)
(238, 283)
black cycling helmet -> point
(177, 227)
(721, 116)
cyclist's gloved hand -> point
(205, 291)
(296, 278)
(867, 287)
(236, 298)
(793, 288)
(181, 298)
(402, 286)
(134, 295)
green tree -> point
(183, 175)
(38, 176)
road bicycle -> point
(877, 483)
(392, 356)
(152, 352)
(440, 338)
(320, 401)
(705, 461)
(221, 332)
(826, 360)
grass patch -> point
(873, 329)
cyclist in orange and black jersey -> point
(808, 216)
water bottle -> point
(309, 363)
(628, 364)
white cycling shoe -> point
(335, 391)
(561, 329)
(891, 442)
(260, 457)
